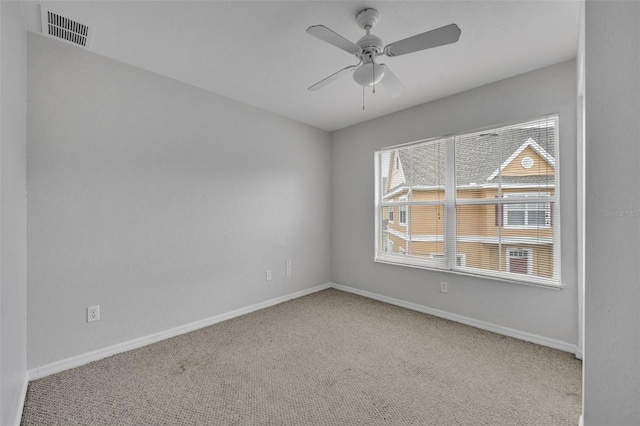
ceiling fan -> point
(368, 72)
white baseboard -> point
(76, 361)
(23, 398)
(540, 340)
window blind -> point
(483, 203)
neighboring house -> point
(515, 238)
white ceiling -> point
(258, 52)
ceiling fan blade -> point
(391, 83)
(332, 77)
(331, 37)
(434, 38)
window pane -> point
(515, 218)
(423, 170)
(489, 246)
(384, 165)
(495, 161)
(536, 218)
(427, 230)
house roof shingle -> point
(424, 164)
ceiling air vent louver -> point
(63, 28)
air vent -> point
(63, 28)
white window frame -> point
(459, 256)
(390, 214)
(450, 204)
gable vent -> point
(61, 27)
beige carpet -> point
(330, 358)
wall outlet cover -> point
(93, 313)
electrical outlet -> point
(93, 313)
(444, 287)
(267, 275)
(288, 267)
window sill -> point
(401, 260)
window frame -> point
(462, 257)
(450, 205)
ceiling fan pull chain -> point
(363, 98)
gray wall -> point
(13, 251)
(612, 255)
(549, 313)
(160, 202)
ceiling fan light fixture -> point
(368, 74)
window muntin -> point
(475, 196)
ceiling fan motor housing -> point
(370, 43)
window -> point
(519, 260)
(527, 215)
(403, 212)
(482, 203)
(390, 214)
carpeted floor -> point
(330, 358)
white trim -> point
(474, 239)
(76, 361)
(506, 240)
(504, 186)
(398, 234)
(461, 256)
(377, 196)
(428, 238)
(505, 331)
(534, 145)
(432, 265)
(23, 398)
(395, 192)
